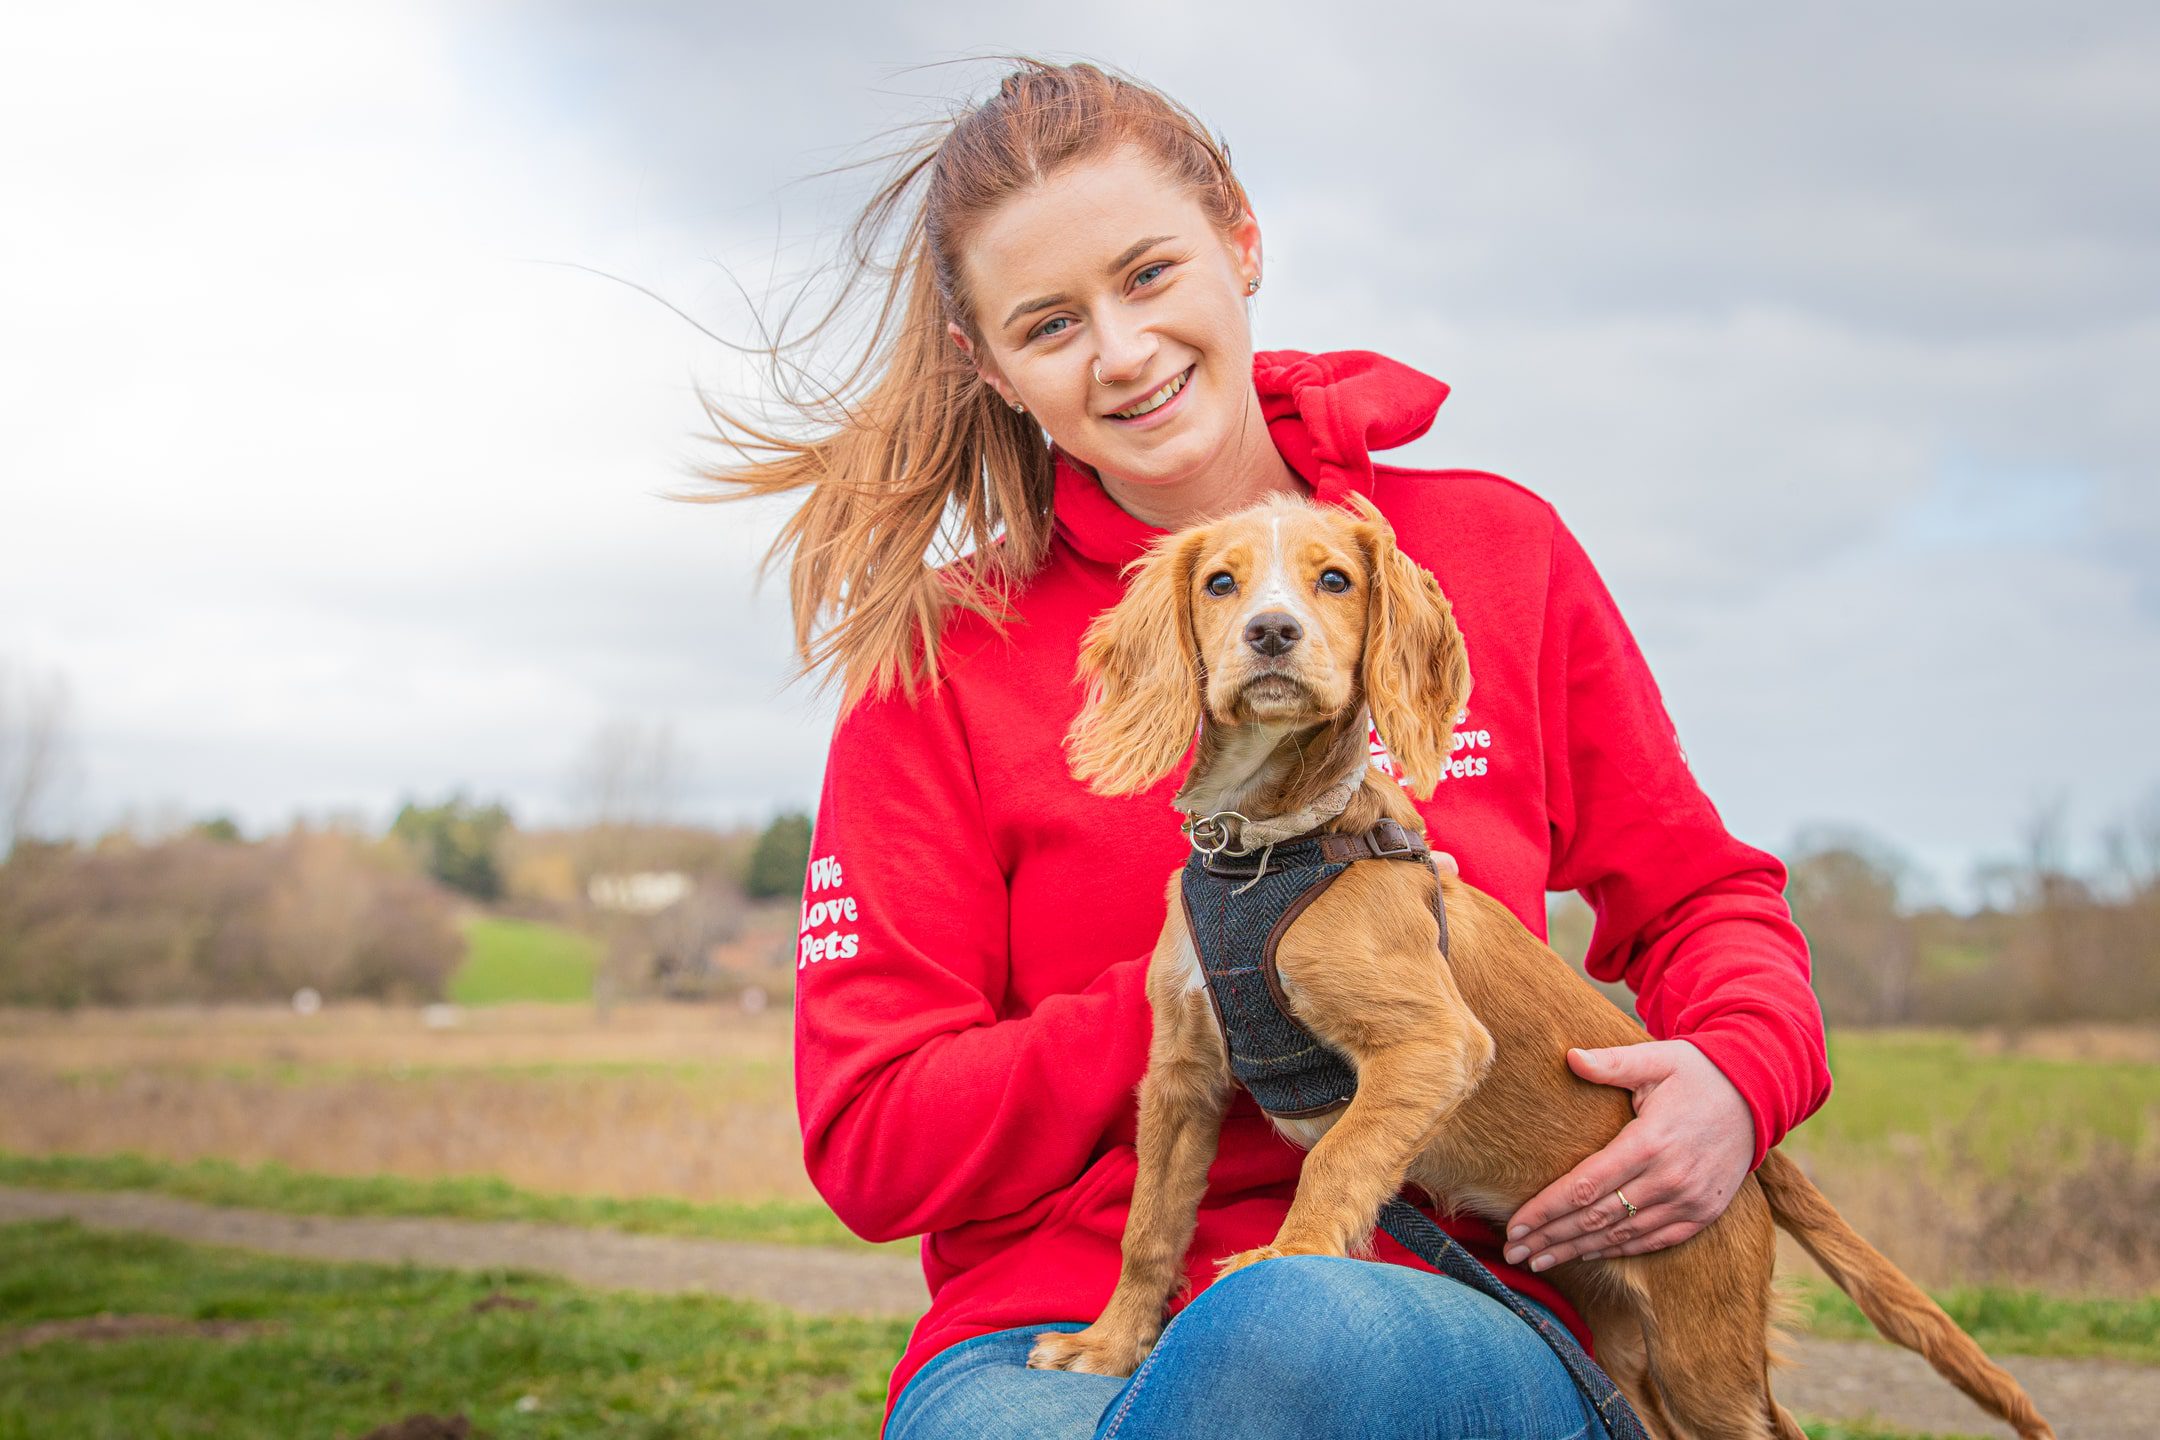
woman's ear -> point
(1141, 666)
(986, 374)
(1416, 674)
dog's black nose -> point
(1273, 633)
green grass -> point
(347, 1348)
(1932, 1095)
(2016, 1322)
(274, 1187)
(2003, 1320)
(342, 1349)
(522, 960)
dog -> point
(1273, 632)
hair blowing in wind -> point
(908, 460)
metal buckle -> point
(1390, 840)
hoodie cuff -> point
(1760, 1064)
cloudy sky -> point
(330, 474)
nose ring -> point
(1098, 373)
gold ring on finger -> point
(1624, 1204)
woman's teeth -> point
(1159, 398)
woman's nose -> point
(1124, 350)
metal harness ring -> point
(1202, 828)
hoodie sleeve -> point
(924, 1103)
(1694, 921)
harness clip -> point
(1210, 834)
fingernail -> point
(1518, 1232)
(1593, 1255)
(1543, 1262)
(1515, 1254)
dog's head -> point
(1288, 614)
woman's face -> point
(1110, 268)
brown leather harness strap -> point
(1386, 839)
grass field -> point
(260, 1348)
(276, 1187)
(682, 1102)
(1969, 1160)
(1950, 1097)
(2004, 1320)
(509, 960)
(337, 1350)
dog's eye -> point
(1221, 583)
(1334, 581)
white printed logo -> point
(1460, 767)
(819, 914)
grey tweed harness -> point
(1238, 908)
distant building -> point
(646, 892)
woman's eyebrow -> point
(1027, 307)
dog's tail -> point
(1897, 1307)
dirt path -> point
(1846, 1380)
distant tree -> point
(222, 828)
(456, 842)
(628, 775)
(623, 783)
(1844, 889)
(781, 857)
(34, 751)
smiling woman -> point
(1059, 369)
(1001, 320)
(1140, 365)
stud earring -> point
(1252, 286)
(1018, 408)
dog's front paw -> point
(1093, 1351)
(1231, 1264)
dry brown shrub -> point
(192, 918)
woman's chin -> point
(1153, 464)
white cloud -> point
(1809, 321)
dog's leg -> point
(1705, 1310)
(1613, 1307)
(1359, 1165)
(1361, 967)
(1182, 1098)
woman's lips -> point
(1175, 402)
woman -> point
(1064, 355)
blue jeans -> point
(1305, 1347)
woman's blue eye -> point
(1044, 328)
(1158, 265)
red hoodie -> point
(969, 1018)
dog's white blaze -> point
(1277, 593)
(1305, 1133)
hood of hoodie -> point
(1326, 414)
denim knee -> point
(1325, 1346)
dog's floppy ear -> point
(1416, 673)
(1141, 666)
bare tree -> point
(627, 774)
(1847, 891)
(35, 750)
(625, 779)
(2056, 903)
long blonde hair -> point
(911, 460)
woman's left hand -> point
(1679, 1161)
